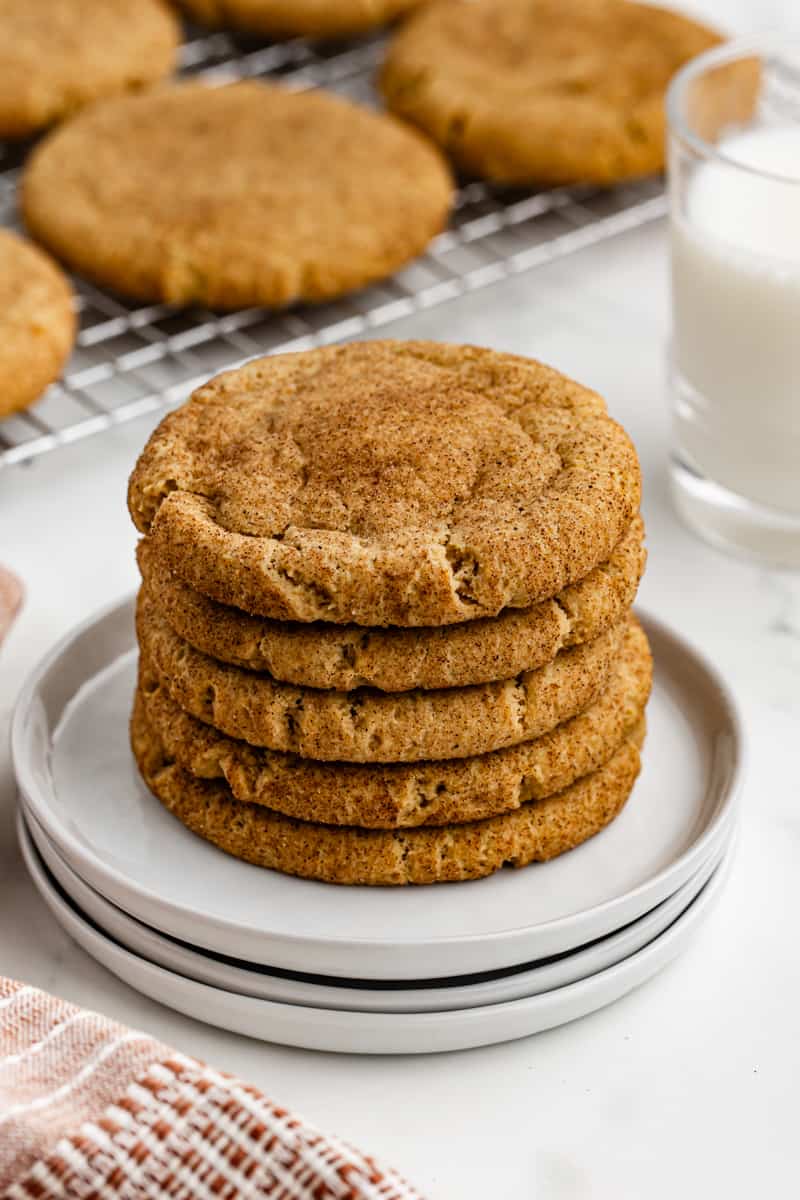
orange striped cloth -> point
(90, 1109)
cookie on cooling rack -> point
(57, 57)
(290, 18)
(545, 92)
(234, 196)
(37, 322)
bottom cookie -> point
(536, 832)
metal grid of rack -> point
(133, 359)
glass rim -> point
(736, 48)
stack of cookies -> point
(384, 620)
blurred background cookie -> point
(235, 196)
(10, 600)
(543, 92)
(311, 18)
(57, 57)
(37, 322)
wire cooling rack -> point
(133, 359)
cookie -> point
(537, 831)
(397, 660)
(57, 57)
(234, 196)
(542, 92)
(401, 796)
(367, 725)
(292, 18)
(37, 322)
(386, 483)
(10, 600)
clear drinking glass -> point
(734, 183)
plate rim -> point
(28, 831)
(375, 1024)
(114, 883)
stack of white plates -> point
(376, 971)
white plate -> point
(368, 1032)
(322, 992)
(75, 769)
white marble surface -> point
(688, 1086)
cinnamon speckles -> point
(534, 832)
(384, 623)
(439, 484)
(321, 655)
(371, 726)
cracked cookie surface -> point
(371, 726)
(248, 194)
(397, 660)
(538, 831)
(386, 483)
(426, 793)
(542, 92)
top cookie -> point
(37, 322)
(234, 196)
(307, 18)
(386, 483)
(55, 58)
(547, 91)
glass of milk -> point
(734, 181)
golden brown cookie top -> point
(59, 55)
(546, 90)
(37, 322)
(288, 18)
(405, 483)
(236, 195)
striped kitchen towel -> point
(89, 1108)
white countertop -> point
(687, 1087)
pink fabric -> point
(89, 1108)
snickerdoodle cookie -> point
(58, 55)
(539, 830)
(233, 196)
(399, 795)
(396, 660)
(542, 92)
(290, 18)
(367, 725)
(37, 322)
(386, 483)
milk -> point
(736, 296)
